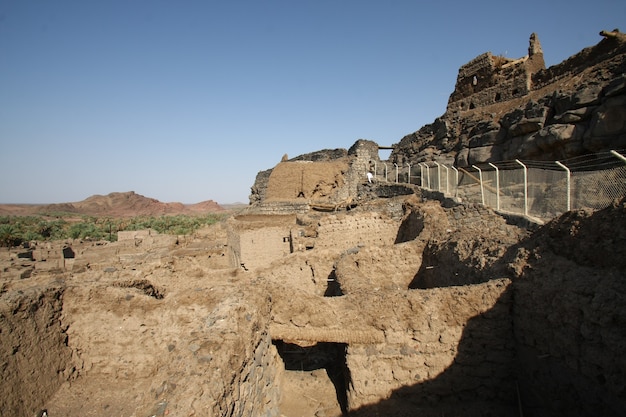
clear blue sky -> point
(187, 100)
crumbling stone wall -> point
(365, 153)
(308, 181)
(570, 109)
(260, 247)
(259, 188)
(255, 389)
(488, 79)
(577, 63)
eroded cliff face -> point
(506, 109)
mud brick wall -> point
(445, 344)
(259, 247)
(34, 356)
(346, 231)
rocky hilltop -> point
(125, 204)
(503, 109)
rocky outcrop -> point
(516, 109)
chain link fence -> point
(541, 189)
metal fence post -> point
(497, 186)
(438, 175)
(482, 190)
(456, 181)
(618, 155)
(525, 187)
(396, 165)
(568, 184)
(409, 177)
(447, 182)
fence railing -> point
(542, 189)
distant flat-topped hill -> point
(126, 204)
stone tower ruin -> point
(489, 79)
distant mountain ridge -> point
(116, 204)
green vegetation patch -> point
(14, 230)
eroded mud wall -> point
(445, 345)
(190, 350)
(35, 358)
(570, 314)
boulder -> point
(557, 135)
(610, 118)
(484, 154)
(525, 126)
(488, 138)
(615, 87)
(600, 143)
(462, 158)
(585, 95)
(574, 116)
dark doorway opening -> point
(333, 287)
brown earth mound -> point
(126, 204)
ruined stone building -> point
(489, 79)
(504, 109)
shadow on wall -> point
(480, 382)
(410, 228)
(441, 267)
(566, 311)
